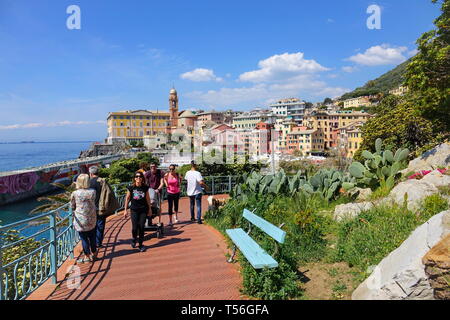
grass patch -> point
(367, 239)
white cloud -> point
(261, 93)
(380, 55)
(349, 69)
(279, 76)
(51, 124)
(282, 66)
(200, 75)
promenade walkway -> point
(189, 263)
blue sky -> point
(59, 84)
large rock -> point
(414, 190)
(432, 159)
(401, 275)
(437, 268)
(437, 179)
(350, 210)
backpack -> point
(108, 203)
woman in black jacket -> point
(140, 207)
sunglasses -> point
(139, 177)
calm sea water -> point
(24, 155)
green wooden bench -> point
(256, 255)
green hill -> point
(384, 83)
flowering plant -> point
(420, 174)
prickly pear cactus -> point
(380, 168)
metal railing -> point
(35, 257)
(32, 250)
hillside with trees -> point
(418, 120)
(388, 81)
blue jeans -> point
(100, 229)
(196, 199)
(88, 241)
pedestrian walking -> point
(138, 196)
(105, 202)
(172, 181)
(84, 216)
(154, 178)
(194, 191)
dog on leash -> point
(214, 203)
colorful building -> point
(401, 90)
(305, 140)
(134, 125)
(351, 138)
(260, 139)
(357, 102)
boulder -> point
(401, 275)
(350, 210)
(430, 160)
(437, 268)
(360, 193)
(437, 179)
(414, 190)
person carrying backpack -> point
(105, 202)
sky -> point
(59, 84)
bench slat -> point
(257, 257)
(273, 231)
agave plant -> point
(381, 168)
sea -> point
(14, 156)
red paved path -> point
(188, 263)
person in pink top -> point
(172, 181)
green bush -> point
(432, 205)
(122, 171)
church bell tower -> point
(173, 107)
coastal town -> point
(289, 126)
(225, 154)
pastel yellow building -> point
(134, 125)
(307, 141)
(329, 122)
(351, 138)
(357, 102)
(401, 90)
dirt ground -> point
(327, 281)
